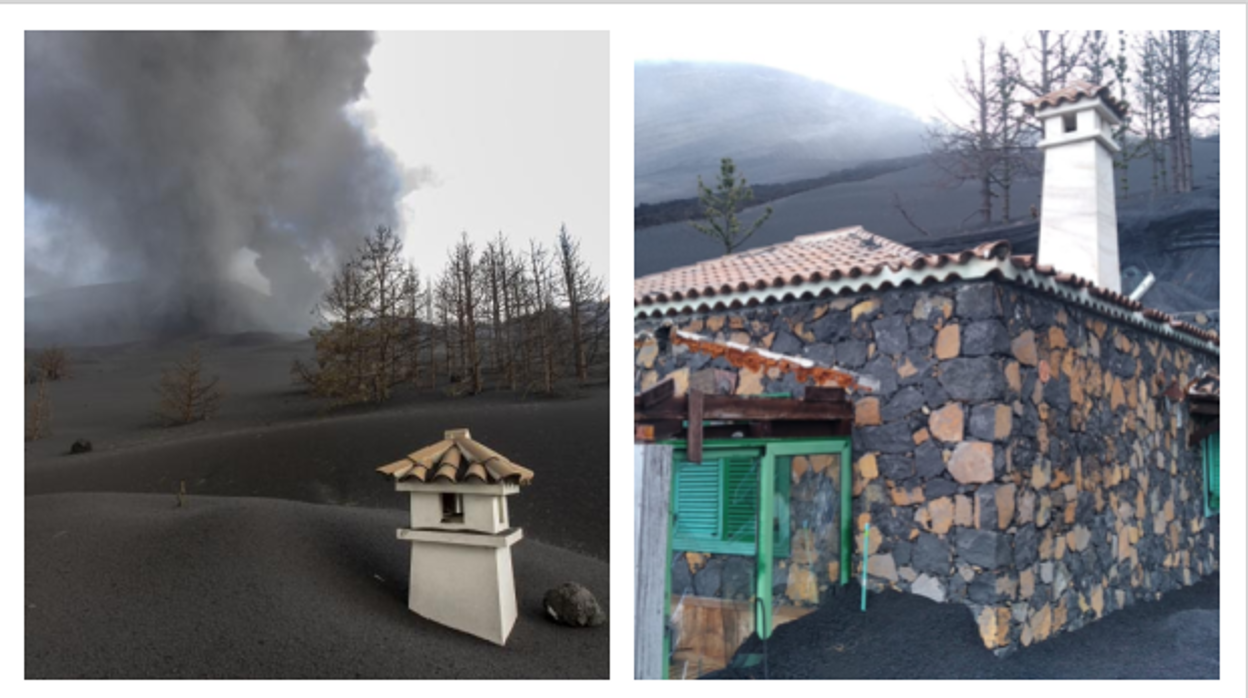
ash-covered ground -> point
(284, 562)
(904, 636)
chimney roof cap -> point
(457, 458)
(1075, 92)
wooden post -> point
(694, 440)
(652, 482)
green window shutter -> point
(740, 499)
(783, 489)
(1212, 493)
(697, 501)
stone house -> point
(1023, 439)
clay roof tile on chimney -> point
(457, 458)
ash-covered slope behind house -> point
(1175, 236)
(777, 126)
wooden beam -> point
(694, 448)
(658, 394)
(1202, 407)
(652, 484)
(666, 430)
(815, 393)
(747, 409)
(1197, 436)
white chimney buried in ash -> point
(1078, 222)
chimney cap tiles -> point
(1075, 92)
(457, 458)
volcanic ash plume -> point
(167, 156)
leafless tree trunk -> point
(39, 412)
(186, 393)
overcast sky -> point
(513, 127)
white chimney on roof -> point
(1078, 221)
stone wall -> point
(1019, 456)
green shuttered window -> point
(716, 503)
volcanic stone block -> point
(921, 334)
(890, 438)
(708, 581)
(821, 353)
(939, 487)
(977, 301)
(1026, 546)
(905, 402)
(1024, 348)
(990, 422)
(682, 579)
(890, 335)
(986, 507)
(948, 342)
(881, 368)
(983, 589)
(930, 587)
(928, 460)
(786, 343)
(977, 379)
(984, 338)
(946, 423)
(972, 462)
(851, 353)
(896, 467)
(882, 566)
(986, 549)
(832, 327)
(867, 412)
(931, 554)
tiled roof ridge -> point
(896, 252)
(1074, 92)
(457, 458)
(988, 259)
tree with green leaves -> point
(721, 205)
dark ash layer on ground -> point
(272, 440)
(129, 585)
(903, 636)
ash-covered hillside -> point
(1173, 236)
(777, 126)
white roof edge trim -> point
(971, 270)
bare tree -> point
(51, 364)
(186, 393)
(581, 291)
(39, 412)
(965, 151)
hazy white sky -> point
(513, 126)
(909, 66)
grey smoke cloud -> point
(171, 152)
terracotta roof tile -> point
(854, 260)
(1074, 92)
(457, 458)
(844, 252)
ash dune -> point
(1173, 236)
(234, 587)
(269, 572)
(777, 126)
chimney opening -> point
(1069, 123)
(452, 507)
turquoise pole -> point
(866, 552)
